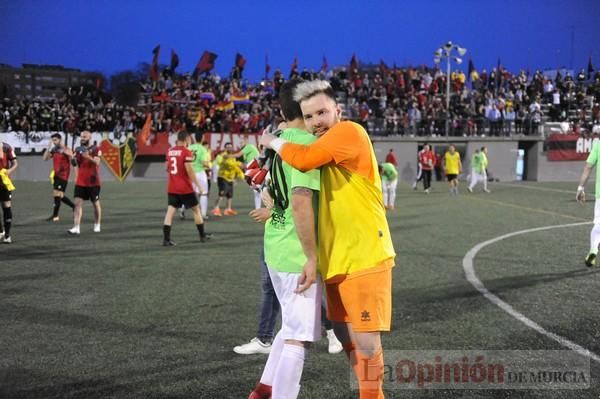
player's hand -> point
(267, 137)
(580, 197)
(260, 215)
(308, 276)
(266, 199)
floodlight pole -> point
(445, 51)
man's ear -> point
(338, 112)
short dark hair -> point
(289, 107)
(56, 136)
(483, 148)
(198, 137)
(182, 135)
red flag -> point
(267, 67)
(384, 68)
(174, 60)
(353, 62)
(325, 65)
(145, 132)
(240, 61)
(294, 65)
(471, 69)
(154, 66)
(206, 63)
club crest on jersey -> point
(119, 158)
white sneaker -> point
(470, 189)
(253, 347)
(335, 346)
(7, 240)
(74, 231)
(97, 228)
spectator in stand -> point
(391, 158)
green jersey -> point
(593, 161)
(200, 156)
(484, 161)
(477, 163)
(389, 172)
(283, 250)
(249, 152)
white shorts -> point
(300, 313)
(390, 185)
(597, 212)
(203, 180)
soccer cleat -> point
(168, 243)
(486, 190)
(590, 260)
(74, 231)
(52, 219)
(217, 212)
(262, 391)
(230, 212)
(427, 191)
(97, 228)
(7, 240)
(335, 346)
(470, 189)
(255, 346)
(205, 237)
(414, 186)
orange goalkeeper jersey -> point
(353, 232)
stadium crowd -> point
(398, 101)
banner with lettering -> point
(569, 147)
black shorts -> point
(451, 177)
(225, 188)
(5, 195)
(188, 200)
(87, 193)
(60, 184)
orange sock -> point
(369, 372)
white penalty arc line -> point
(470, 275)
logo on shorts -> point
(365, 316)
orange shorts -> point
(365, 301)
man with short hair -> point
(8, 164)
(291, 257)
(61, 156)
(452, 168)
(229, 170)
(389, 178)
(478, 169)
(426, 163)
(356, 255)
(248, 152)
(180, 191)
(200, 164)
(87, 182)
(590, 163)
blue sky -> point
(115, 35)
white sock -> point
(268, 374)
(289, 371)
(595, 238)
(257, 200)
(392, 197)
(484, 181)
(204, 204)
